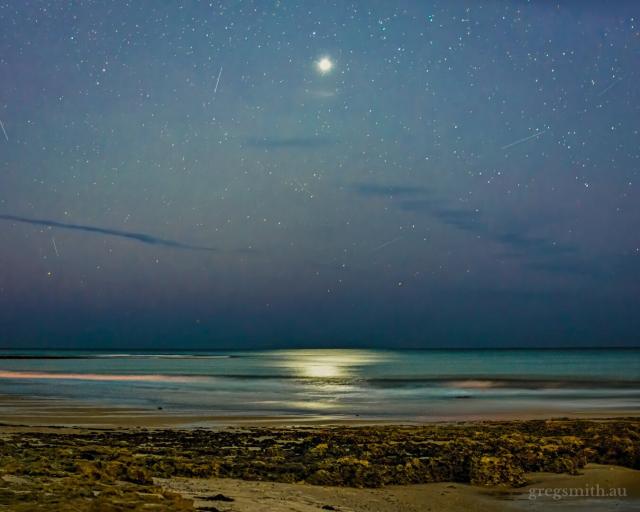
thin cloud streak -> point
(130, 235)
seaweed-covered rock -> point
(491, 470)
(116, 468)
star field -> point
(240, 174)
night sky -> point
(302, 173)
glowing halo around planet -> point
(324, 65)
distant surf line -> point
(8, 374)
(115, 356)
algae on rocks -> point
(114, 467)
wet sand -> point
(44, 411)
(279, 497)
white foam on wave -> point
(7, 374)
(160, 356)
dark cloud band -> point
(131, 235)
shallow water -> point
(420, 385)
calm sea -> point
(384, 384)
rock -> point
(217, 497)
(489, 470)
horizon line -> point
(298, 347)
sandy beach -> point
(278, 497)
(148, 463)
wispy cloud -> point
(289, 142)
(537, 253)
(517, 240)
(612, 267)
(321, 93)
(462, 219)
(131, 235)
(377, 190)
(566, 267)
(540, 246)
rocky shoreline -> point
(111, 470)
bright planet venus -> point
(324, 65)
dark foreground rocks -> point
(113, 470)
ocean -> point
(415, 385)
